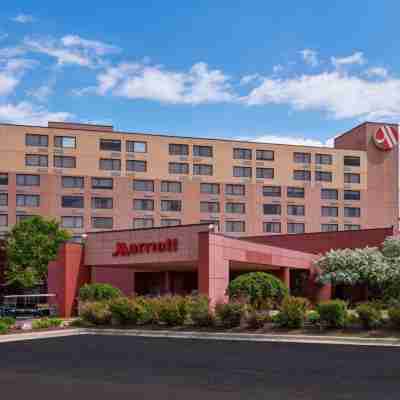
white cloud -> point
(289, 139)
(249, 79)
(11, 72)
(277, 68)
(356, 58)
(378, 72)
(99, 48)
(42, 93)
(23, 18)
(310, 57)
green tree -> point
(31, 245)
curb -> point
(18, 337)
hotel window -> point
(272, 209)
(170, 222)
(143, 204)
(352, 178)
(242, 154)
(351, 227)
(28, 200)
(3, 199)
(295, 192)
(171, 187)
(110, 164)
(72, 201)
(3, 179)
(28, 180)
(235, 190)
(72, 182)
(302, 158)
(264, 173)
(214, 222)
(272, 227)
(65, 142)
(202, 169)
(242, 172)
(102, 203)
(351, 195)
(351, 161)
(323, 159)
(323, 176)
(210, 188)
(64, 162)
(235, 226)
(329, 227)
(72, 222)
(23, 217)
(265, 155)
(272, 191)
(329, 194)
(202, 151)
(102, 222)
(136, 147)
(352, 212)
(235, 208)
(136, 165)
(295, 227)
(209, 207)
(110, 145)
(178, 168)
(36, 140)
(102, 183)
(36, 160)
(178, 149)
(302, 175)
(171, 205)
(3, 220)
(296, 210)
(143, 185)
(329, 211)
(141, 223)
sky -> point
(285, 72)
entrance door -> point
(148, 283)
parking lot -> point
(98, 367)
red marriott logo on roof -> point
(125, 249)
(386, 137)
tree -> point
(31, 245)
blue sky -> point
(270, 71)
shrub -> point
(259, 288)
(292, 312)
(199, 311)
(313, 318)
(149, 314)
(229, 314)
(125, 311)
(370, 315)
(9, 321)
(333, 313)
(98, 292)
(96, 312)
(171, 310)
(394, 316)
(255, 319)
(45, 323)
(3, 328)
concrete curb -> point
(17, 337)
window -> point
(3, 179)
(23, 217)
(325, 159)
(264, 173)
(110, 164)
(295, 192)
(209, 207)
(102, 202)
(235, 190)
(65, 142)
(136, 165)
(301, 175)
(296, 210)
(235, 208)
(171, 187)
(351, 227)
(242, 172)
(210, 188)
(72, 222)
(141, 223)
(178, 168)
(72, 182)
(202, 151)
(170, 222)
(3, 199)
(265, 155)
(36, 160)
(329, 194)
(235, 226)
(141, 185)
(136, 147)
(143, 204)
(28, 180)
(102, 183)
(352, 212)
(352, 161)
(242, 154)
(329, 227)
(272, 227)
(329, 211)
(171, 205)
(72, 201)
(272, 191)
(64, 162)
(36, 140)
(351, 195)
(3, 220)
(272, 209)
(202, 169)
(352, 178)
(178, 149)
(302, 158)
(214, 222)
(28, 200)
(102, 222)
(110, 145)
(295, 227)
(323, 176)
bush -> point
(370, 315)
(45, 323)
(126, 311)
(394, 316)
(149, 314)
(333, 313)
(259, 288)
(4, 328)
(170, 310)
(255, 319)
(292, 312)
(230, 314)
(98, 292)
(9, 321)
(313, 318)
(96, 312)
(199, 311)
